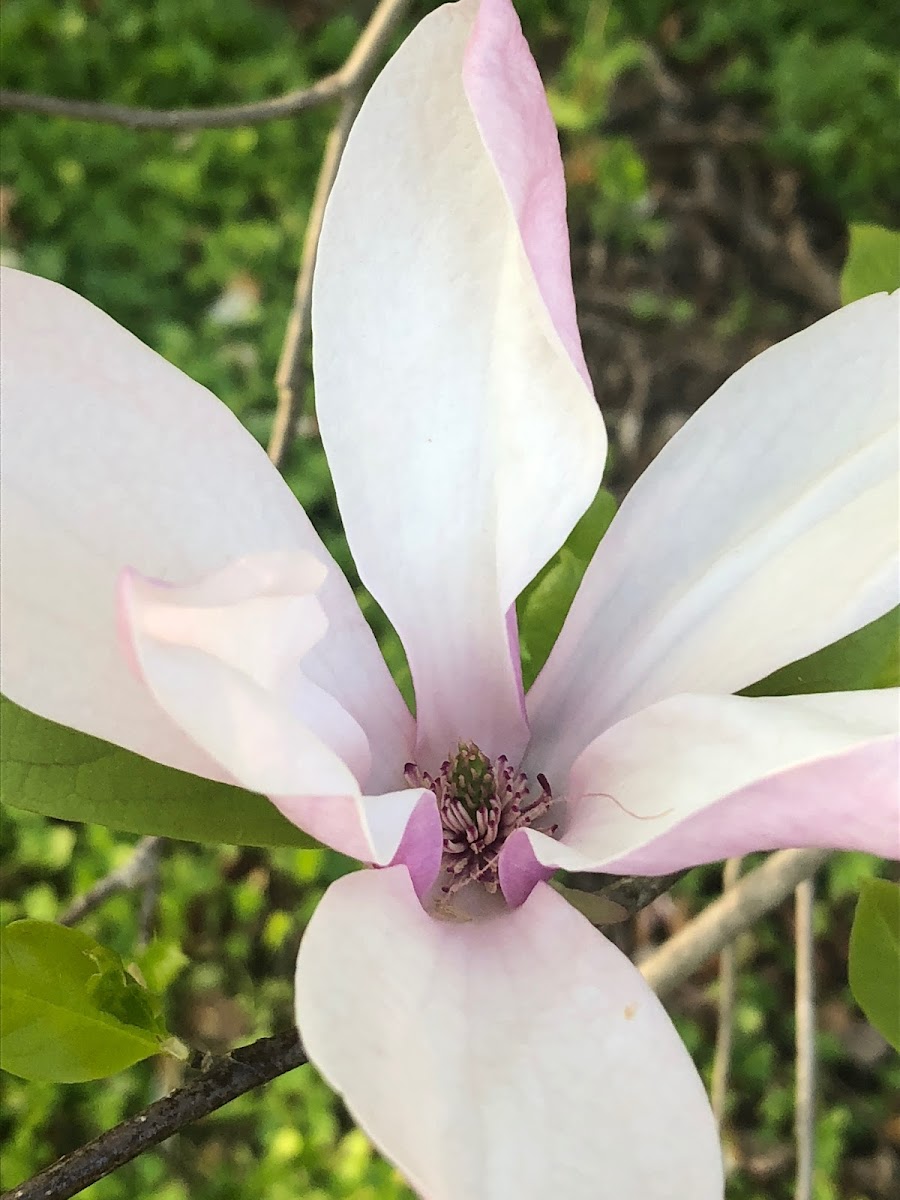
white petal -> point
(700, 778)
(113, 458)
(512, 1059)
(461, 433)
(766, 529)
(225, 660)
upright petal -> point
(699, 778)
(511, 1059)
(113, 458)
(451, 392)
(766, 529)
(225, 659)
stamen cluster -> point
(480, 803)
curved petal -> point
(510, 1059)
(224, 658)
(112, 457)
(766, 529)
(463, 440)
(700, 778)
(507, 98)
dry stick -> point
(805, 1038)
(224, 1080)
(138, 870)
(743, 905)
(289, 375)
(320, 92)
(725, 1028)
(369, 45)
(290, 366)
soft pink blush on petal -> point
(224, 659)
(517, 1058)
(397, 829)
(258, 617)
(510, 106)
(848, 802)
(699, 778)
(464, 443)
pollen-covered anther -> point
(480, 803)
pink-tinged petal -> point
(253, 622)
(766, 529)
(225, 659)
(270, 728)
(509, 1059)
(507, 97)
(111, 458)
(463, 440)
(700, 778)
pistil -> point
(480, 802)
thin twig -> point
(330, 87)
(725, 1028)
(137, 871)
(805, 1038)
(224, 1080)
(742, 906)
(288, 377)
(179, 119)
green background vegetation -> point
(165, 232)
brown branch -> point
(740, 907)
(288, 377)
(224, 1080)
(727, 989)
(805, 1037)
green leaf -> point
(588, 533)
(875, 957)
(546, 608)
(868, 658)
(59, 772)
(873, 262)
(543, 605)
(68, 1009)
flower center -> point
(480, 803)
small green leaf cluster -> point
(69, 1011)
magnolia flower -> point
(163, 590)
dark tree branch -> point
(223, 1080)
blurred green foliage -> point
(191, 241)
